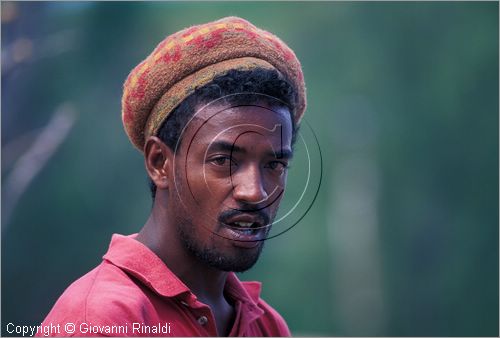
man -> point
(214, 109)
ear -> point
(158, 158)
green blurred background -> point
(403, 97)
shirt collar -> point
(139, 261)
(247, 292)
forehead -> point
(226, 120)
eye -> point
(222, 160)
(277, 166)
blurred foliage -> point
(402, 96)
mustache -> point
(228, 214)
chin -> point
(237, 260)
(233, 259)
(235, 266)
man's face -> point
(230, 175)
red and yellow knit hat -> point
(192, 58)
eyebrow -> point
(226, 146)
(285, 154)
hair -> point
(268, 82)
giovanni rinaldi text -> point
(86, 328)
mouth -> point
(245, 230)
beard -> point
(239, 260)
(224, 258)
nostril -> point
(249, 188)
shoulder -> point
(105, 295)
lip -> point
(249, 218)
(241, 239)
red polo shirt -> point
(133, 293)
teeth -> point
(244, 224)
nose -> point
(248, 186)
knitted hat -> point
(192, 58)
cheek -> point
(280, 189)
(276, 180)
(209, 181)
(275, 187)
(197, 206)
(217, 186)
(275, 205)
(203, 193)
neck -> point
(204, 281)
